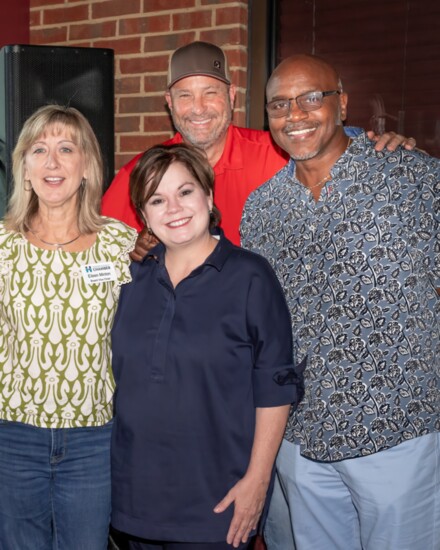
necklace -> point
(328, 177)
(321, 182)
(57, 245)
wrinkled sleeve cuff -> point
(281, 385)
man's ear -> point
(343, 101)
(232, 94)
(169, 100)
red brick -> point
(229, 16)
(167, 42)
(128, 85)
(143, 25)
(192, 20)
(215, 2)
(120, 160)
(92, 30)
(38, 3)
(158, 5)
(237, 57)
(124, 124)
(121, 46)
(239, 118)
(240, 101)
(35, 18)
(157, 123)
(239, 77)
(143, 104)
(115, 8)
(145, 64)
(83, 44)
(65, 15)
(48, 35)
(155, 83)
(234, 35)
(141, 143)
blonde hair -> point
(23, 204)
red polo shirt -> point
(249, 158)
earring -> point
(83, 182)
(150, 232)
(30, 188)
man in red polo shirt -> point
(201, 97)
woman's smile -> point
(179, 223)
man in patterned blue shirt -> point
(354, 237)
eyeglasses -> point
(311, 101)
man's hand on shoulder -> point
(391, 141)
(144, 243)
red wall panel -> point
(14, 22)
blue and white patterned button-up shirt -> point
(359, 268)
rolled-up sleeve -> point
(276, 379)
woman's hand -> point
(248, 496)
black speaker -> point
(33, 76)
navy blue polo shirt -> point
(191, 363)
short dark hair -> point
(151, 167)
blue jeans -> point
(54, 487)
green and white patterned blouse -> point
(55, 323)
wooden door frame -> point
(261, 59)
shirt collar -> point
(216, 259)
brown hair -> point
(24, 202)
(151, 167)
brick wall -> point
(143, 34)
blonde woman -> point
(61, 269)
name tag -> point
(98, 273)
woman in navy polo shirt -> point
(202, 357)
